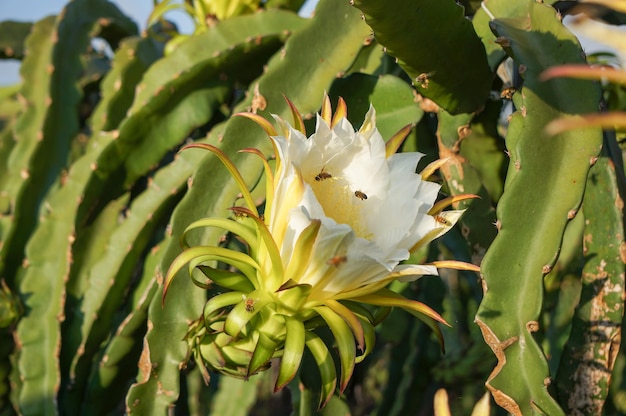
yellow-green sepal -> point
(395, 141)
(261, 121)
(221, 354)
(266, 247)
(227, 279)
(249, 305)
(263, 352)
(244, 263)
(298, 123)
(360, 310)
(292, 352)
(303, 248)
(369, 335)
(232, 169)
(386, 297)
(293, 297)
(195, 256)
(326, 365)
(341, 111)
(246, 232)
(367, 322)
(351, 319)
(269, 180)
(345, 343)
(213, 305)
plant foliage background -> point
(94, 197)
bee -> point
(423, 79)
(337, 260)
(323, 175)
(441, 220)
(506, 73)
(249, 303)
(360, 195)
(507, 93)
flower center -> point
(341, 202)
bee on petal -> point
(337, 260)
(360, 195)
(249, 303)
(323, 175)
(441, 220)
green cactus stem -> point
(12, 37)
(589, 355)
(432, 41)
(543, 190)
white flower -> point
(342, 212)
(373, 209)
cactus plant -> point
(95, 195)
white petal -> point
(369, 123)
(411, 272)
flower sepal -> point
(265, 348)
(224, 278)
(325, 364)
(292, 298)
(293, 351)
(386, 297)
(344, 341)
(227, 355)
(245, 310)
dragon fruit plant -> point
(173, 241)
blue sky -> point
(33, 10)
